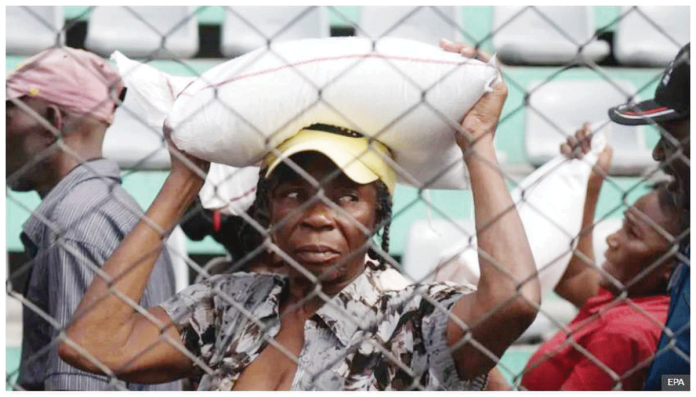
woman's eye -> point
(288, 193)
(348, 198)
(293, 194)
(631, 232)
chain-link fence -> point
(605, 293)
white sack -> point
(408, 94)
(153, 90)
(551, 213)
(229, 189)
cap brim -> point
(646, 112)
(11, 94)
(354, 169)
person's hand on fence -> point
(480, 122)
(578, 145)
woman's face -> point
(326, 241)
(637, 245)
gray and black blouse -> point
(367, 337)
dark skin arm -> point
(496, 381)
(508, 291)
(581, 278)
(137, 347)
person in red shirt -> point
(623, 306)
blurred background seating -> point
(650, 36)
(558, 58)
(143, 32)
(248, 28)
(427, 24)
(558, 108)
(29, 30)
(546, 35)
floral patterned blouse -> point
(369, 336)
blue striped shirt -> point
(74, 231)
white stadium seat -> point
(144, 32)
(546, 35)
(248, 28)
(559, 108)
(29, 30)
(650, 36)
(426, 24)
(426, 241)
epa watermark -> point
(675, 383)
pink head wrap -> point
(76, 79)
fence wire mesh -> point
(397, 326)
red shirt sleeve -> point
(616, 352)
(544, 370)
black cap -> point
(671, 97)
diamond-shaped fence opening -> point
(349, 228)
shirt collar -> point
(595, 303)
(357, 303)
(604, 297)
(41, 218)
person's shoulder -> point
(232, 284)
(97, 202)
(416, 294)
(98, 191)
(94, 213)
(640, 317)
(246, 277)
(245, 283)
(447, 288)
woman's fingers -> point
(465, 50)
(585, 138)
(566, 150)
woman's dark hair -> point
(259, 211)
(667, 201)
(384, 213)
(669, 206)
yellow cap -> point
(361, 160)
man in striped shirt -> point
(59, 105)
